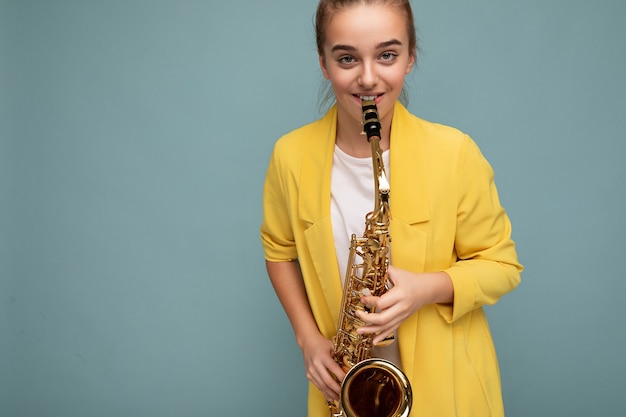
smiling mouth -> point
(367, 97)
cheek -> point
(340, 81)
(396, 78)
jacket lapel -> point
(314, 208)
(409, 191)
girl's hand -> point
(321, 368)
(409, 293)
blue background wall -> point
(134, 141)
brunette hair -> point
(327, 8)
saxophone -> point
(373, 387)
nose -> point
(368, 78)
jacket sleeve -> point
(277, 234)
(487, 266)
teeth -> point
(368, 98)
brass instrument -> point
(373, 387)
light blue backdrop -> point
(134, 140)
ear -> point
(410, 64)
(323, 67)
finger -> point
(329, 392)
(325, 382)
(381, 302)
(333, 375)
(379, 332)
(378, 324)
(379, 318)
(391, 274)
(369, 300)
(331, 385)
(371, 328)
(383, 337)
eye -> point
(346, 60)
(388, 56)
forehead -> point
(364, 26)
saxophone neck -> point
(372, 128)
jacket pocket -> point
(409, 246)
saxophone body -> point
(373, 387)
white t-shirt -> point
(351, 198)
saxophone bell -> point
(376, 388)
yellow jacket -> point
(446, 216)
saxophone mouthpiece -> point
(371, 123)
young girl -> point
(451, 250)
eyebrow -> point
(385, 44)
